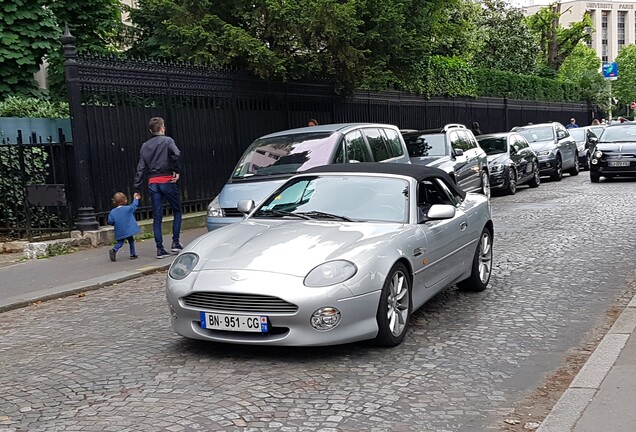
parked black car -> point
(615, 153)
(453, 149)
(511, 161)
(586, 138)
(554, 147)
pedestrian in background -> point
(595, 122)
(476, 130)
(572, 124)
(122, 217)
(160, 157)
(312, 122)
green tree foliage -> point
(508, 43)
(28, 32)
(582, 68)
(457, 30)
(624, 88)
(557, 42)
(357, 43)
(15, 106)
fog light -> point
(325, 318)
(594, 161)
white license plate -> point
(617, 164)
(241, 323)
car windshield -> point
(494, 145)
(339, 197)
(619, 134)
(286, 154)
(543, 133)
(426, 145)
(578, 134)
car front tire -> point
(536, 176)
(595, 177)
(394, 310)
(485, 184)
(576, 169)
(512, 182)
(557, 174)
(482, 264)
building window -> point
(604, 26)
(622, 16)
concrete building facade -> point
(614, 23)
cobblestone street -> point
(109, 360)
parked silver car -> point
(272, 159)
(337, 254)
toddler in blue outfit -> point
(123, 218)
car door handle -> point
(463, 226)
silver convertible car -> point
(337, 254)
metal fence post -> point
(86, 218)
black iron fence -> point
(36, 172)
(213, 115)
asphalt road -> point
(109, 360)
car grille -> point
(232, 212)
(233, 302)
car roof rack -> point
(453, 126)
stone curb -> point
(570, 407)
(53, 293)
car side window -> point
(469, 140)
(356, 148)
(561, 132)
(377, 144)
(521, 142)
(455, 141)
(432, 192)
(395, 145)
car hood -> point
(442, 162)
(542, 145)
(497, 158)
(617, 147)
(289, 246)
(255, 190)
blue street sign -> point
(610, 70)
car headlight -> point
(214, 208)
(330, 273)
(183, 265)
(544, 152)
(496, 168)
(598, 154)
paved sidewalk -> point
(602, 396)
(27, 282)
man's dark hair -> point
(155, 124)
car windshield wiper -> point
(322, 215)
(281, 213)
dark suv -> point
(453, 149)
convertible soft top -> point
(418, 172)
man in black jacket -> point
(159, 157)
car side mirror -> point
(246, 206)
(560, 135)
(458, 152)
(441, 211)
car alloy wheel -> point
(574, 171)
(395, 307)
(512, 182)
(557, 175)
(482, 264)
(485, 184)
(588, 161)
(536, 178)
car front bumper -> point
(602, 168)
(547, 164)
(358, 312)
(500, 179)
